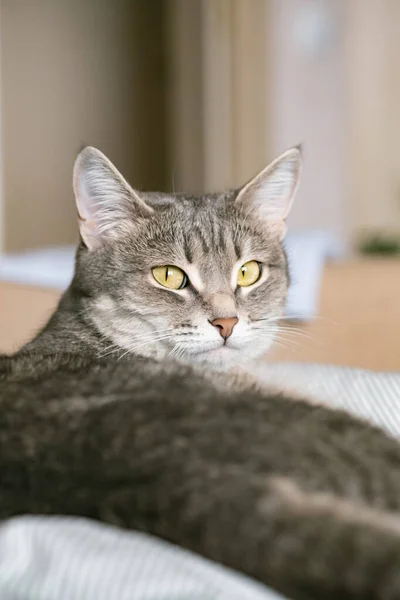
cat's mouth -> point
(228, 352)
(224, 348)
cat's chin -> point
(223, 358)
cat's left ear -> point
(270, 193)
(107, 205)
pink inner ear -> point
(89, 234)
(87, 225)
(84, 204)
(271, 192)
(278, 227)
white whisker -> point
(135, 347)
(138, 342)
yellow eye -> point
(170, 277)
(248, 273)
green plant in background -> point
(380, 244)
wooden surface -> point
(358, 323)
(359, 320)
(23, 310)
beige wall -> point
(373, 77)
(260, 91)
(229, 87)
(185, 116)
(307, 84)
(344, 105)
(219, 107)
(76, 72)
(235, 91)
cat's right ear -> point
(106, 203)
(270, 193)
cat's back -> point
(188, 418)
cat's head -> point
(200, 278)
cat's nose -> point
(225, 326)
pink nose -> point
(225, 326)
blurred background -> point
(193, 95)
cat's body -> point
(303, 498)
(233, 475)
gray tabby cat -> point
(121, 408)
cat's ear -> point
(105, 201)
(270, 193)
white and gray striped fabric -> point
(52, 558)
(372, 396)
(55, 558)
